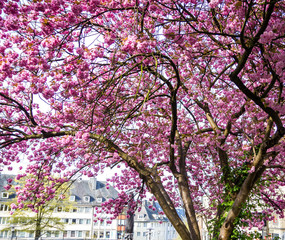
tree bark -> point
(38, 231)
(228, 225)
(166, 204)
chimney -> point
(93, 182)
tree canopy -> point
(184, 97)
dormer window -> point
(72, 198)
(98, 199)
(5, 195)
(86, 198)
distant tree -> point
(186, 97)
(34, 216)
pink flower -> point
(9, 180)
(11, 23)
(7, 187)
(13, 206)
(252, 169)
(80, 51)
(85, 136)
(130, 44)
(76, 9)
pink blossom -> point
(13, 206)
(7, 187)
(252, 169)
(85, 136)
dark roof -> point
(3, 183)
(180, 211)
(90, 188)
(93, 189)
(3, 179)
(150, 212)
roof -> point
(3, 183)
(150, 212)
(97, 191)
(91, 189)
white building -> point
(150, 225)
(87, 196)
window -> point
(86, 199)
(121, 222)
(79, 234)
(87, 209)
(108, 234)
(88, 221)
(72, 198)
(31, 234)
(80, 209)
(74, 209)
(119, 235)
(87, 234)
(21, 234)
(80, 221)
(139, 224)
(141, 216)
(65, 234)
(98, 199)
(275, 236)
(144, 234)
(59, 209)
(5, 195)
(95, 235)
(73, 221)
(72, 234)
(101, 234)
(65, 220)
(138, 234)
(4, 234)
(4, 220)
(4, 207)
(48, 233)
(56, 233)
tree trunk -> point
(37, 234)
(130, 223)
(38, 231)
(228, 225)
(166, 204)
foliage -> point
(185, 98)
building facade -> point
(86, 197)
(150, 225)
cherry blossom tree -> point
(184, 97)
